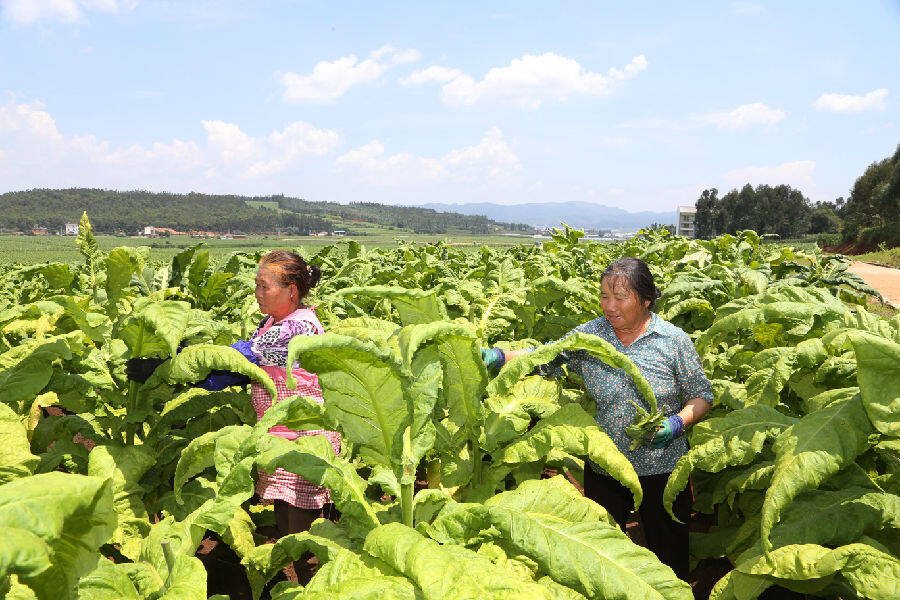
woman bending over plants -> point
(667, 359)
(282, 282)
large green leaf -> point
(878, 364)
(124, 466)
(30, 368)
(515, 369)
(870, 572)
(200, 454)
(508, 416)
(155, 327)
(447, 572)
(194, 363)
(835, 518)
(16, 459)
(554, 496)
(142, 580)
(313, 458)
(263, 562)
(413, 305)
(72, 514)
(121, 264)
(734, 439)
(22, 553)
(775, 367)
(424, 390)
(366, 390)
(573, 431)
(347, 577)
(810, 451)
(591, 556)
(213, 291)
(645, 420)
(197, 402)
(464, 374)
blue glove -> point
(668, 431)
(493, 358)
(140, 369)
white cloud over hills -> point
(228, 159)
(490, 160)
(527, 82)
(40, 155)
(331, 80)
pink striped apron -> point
(282, 485)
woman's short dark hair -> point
(638, 275)
(292, 269)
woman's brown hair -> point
(292, 269)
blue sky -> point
(635, 105)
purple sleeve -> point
(244, 347)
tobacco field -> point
(441, 482)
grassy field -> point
(40, 249)
(886, 257)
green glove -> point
(668, 431)
(493, 358)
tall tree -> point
(706, 219)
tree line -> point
(869, 216)
(420, 220)
(130, 211)
(871, 213)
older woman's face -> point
(621, 304)
(274, 297)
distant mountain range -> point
(581, 215)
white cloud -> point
(229, 142)
(25, 12)
(489, 161)
(298, 140)
(797, 174)
(37, 154)
(257, 157)
(331, 80)
(848, 103)
(527, 82)
(745, 116)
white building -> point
(684, 221)
(71, 229)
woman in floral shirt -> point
(282, 282)
(668, 361)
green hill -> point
(130, 211)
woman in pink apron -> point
(282, 282)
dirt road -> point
(884, 279)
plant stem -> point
(476, 463)
(130, 407)
(406, 503)
(169, 555)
